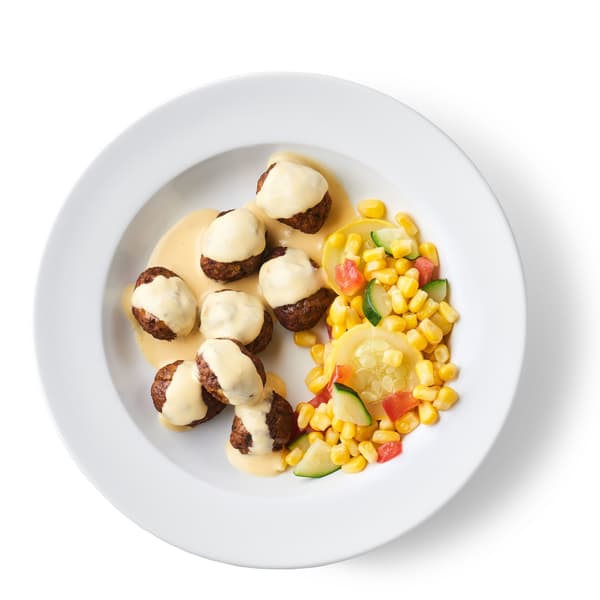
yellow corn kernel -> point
(318, 383)
(337, 424)
(372, 209)
(408, 285)
(386, 424)
(386, 276)
(424, 371)
(417, 301)
(433, 334)
(368, 451)
(329, 411)
(448, 372)
(393, 323)
(305, 414)
(338, 310)
(410, 320)
(428, 415)
(399, 305)
(294, 457)
(441, 353)
(416, 339)
(413, 274)
(437, 380)
(337, 331)
(392, 357)
(375, 265)
(320, 421)
(441, 322)
(381, 436)
(422, 392)
(400, 248)
(337, 239)
(314, 372)
(446, 398)
(352, 319)
(313, 436)
(364, 432)
(332, 437)
(353, 257)
(317, 352)
(355, 465)
(429, 251)
(306, 339)
(402, 265)
(428, 309)
(407, 422)
(348, 431)
(354, 243)
(352, 446)
(329, 321)
(377, 253)
(448, 312)
(339, 454)
(322, 408)
(356, 304)
(407, 223)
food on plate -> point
(233, 245)
(294, 194)
(163, 304)
(229, 372)
(237, 315)
(180, 398)
(293, 286)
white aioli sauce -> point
(289, 278)
(260, 465)
(232, 314)
(235, 236)
(289, 189)
(254, 418)
(235, 372)
(170, 300)
(184, 402)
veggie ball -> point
(163, 304)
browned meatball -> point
(209, 380)
(163, 379)
(309, 221)
(264, 336)
(280, 420)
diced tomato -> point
(427, 270)
(349, 278)
(388, 451)
(398, 403)
(323, 396)
(342, 373)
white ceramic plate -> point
(207, 149)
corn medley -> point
(425, 321)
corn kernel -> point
(352, 446)
(428, 309)
(408, 285)
(407, 422)
(337, 239)
(411, 320)
(382, 436)
(337, 424)
(407, 223)
(348, 431)
(339, 454)
(441, 322)
(364, 432)
(424, 370)
(356, 304)
(433, 334)
(413, 274)
(416, 339)
(294, 457)
(441, 353)
(313, 436)
(417, 301)
(353, 257)
(355, 465)
(446, 398)
(320, 421)
(329, 411)
(386, 424)
(372, 209)
(352, 319)
(429, 251)
(428, 415)
(377, 253)
(448, 372)
(328, 320)
(337, 331)
(375, 265)
(437, 380)
(448, 312)
(402, 265)
(306, 339)
(322, 408)
(354, 243)
(314, 372)
(332, 437)
(422, 392)
(338, 310)
(318, 383)
(386, 276)
(305, 414)
(392, 357)
(401, 248)
(399, 305)
(368, 451)
(316, 352)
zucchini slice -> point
(316, 461)
(348, 406)
(376, 302)
(437, 289)
(300, 442)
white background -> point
(516, 84)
